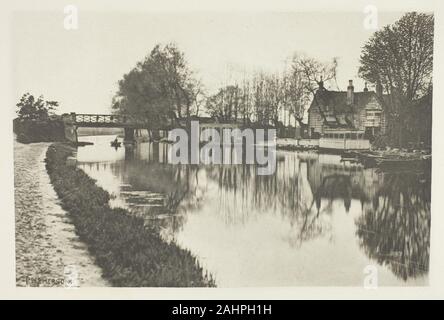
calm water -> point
(316, 221)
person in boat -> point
(116, 141)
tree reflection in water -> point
(395, 228)
(175, 191)
(243, 196)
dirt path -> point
(48, 252)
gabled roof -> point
(337, 101)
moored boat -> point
(402, 164)
(387, 160)
(343, 140)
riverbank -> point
(130, 253)
(360, 155)
(47, 249)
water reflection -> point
(316, 221)
(395, 227)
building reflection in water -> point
(394, 228)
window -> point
(347, 136)
(373, 118)
(353, 136)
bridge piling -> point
(129, 136)
(69, 121)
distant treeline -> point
(36, 120)
(99, 131)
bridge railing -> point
(109, 119)
(154, 121)
(124, 120)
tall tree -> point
(296, 95)
(31, 108)
(160, 84)
(274, 97)
(313, 72)
(400, 59)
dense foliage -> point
(30, 131)
(161, 84)
(31, 108)
(399, 59)
(36, 122)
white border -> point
(7, 267)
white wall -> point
(343, 144)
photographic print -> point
(225, 149)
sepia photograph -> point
(222, 149)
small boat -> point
(116, 144)
(416, 163)
(349, 156)
(84, 143)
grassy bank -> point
(129, 253)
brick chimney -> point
(321, 85)
(379, 89)
(350, 92)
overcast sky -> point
(80, 68)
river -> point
(316, 222)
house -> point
(347, 111)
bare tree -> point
(313, 73)
(296, 95)
(265, 97)
(274, 96)
(307, 76)
(225, 104)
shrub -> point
(380, 142)
(29, 131)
